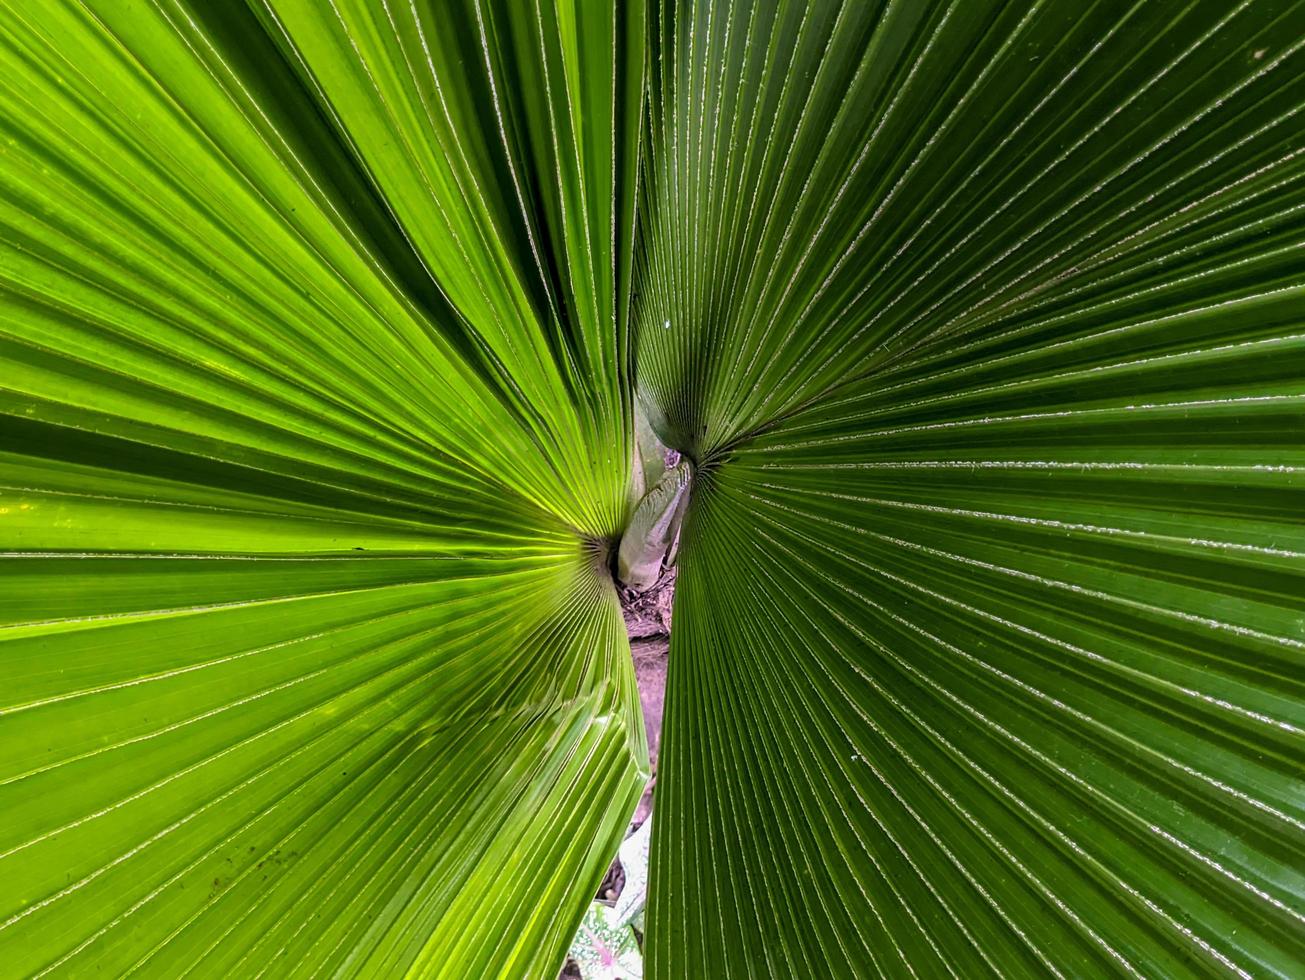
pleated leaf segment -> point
(983, 322)
(322, 331)
(315, 426)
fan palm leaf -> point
(325, 335)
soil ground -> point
(648, 623)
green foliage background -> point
(321, 331)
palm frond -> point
(314, 410)
(982, 323)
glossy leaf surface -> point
(983, 323)
(314, 403)
(321, 327)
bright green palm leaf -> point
(978, 321)
(981, 321)
(306, 661)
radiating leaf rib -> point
(979, 323)
(982, 323)
(308, 665)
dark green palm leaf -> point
(321, 330)
(982, 322)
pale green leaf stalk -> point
(648, 458)
(634, 862)
(654, 529)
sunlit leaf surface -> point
(980, 323)
(314, 404)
